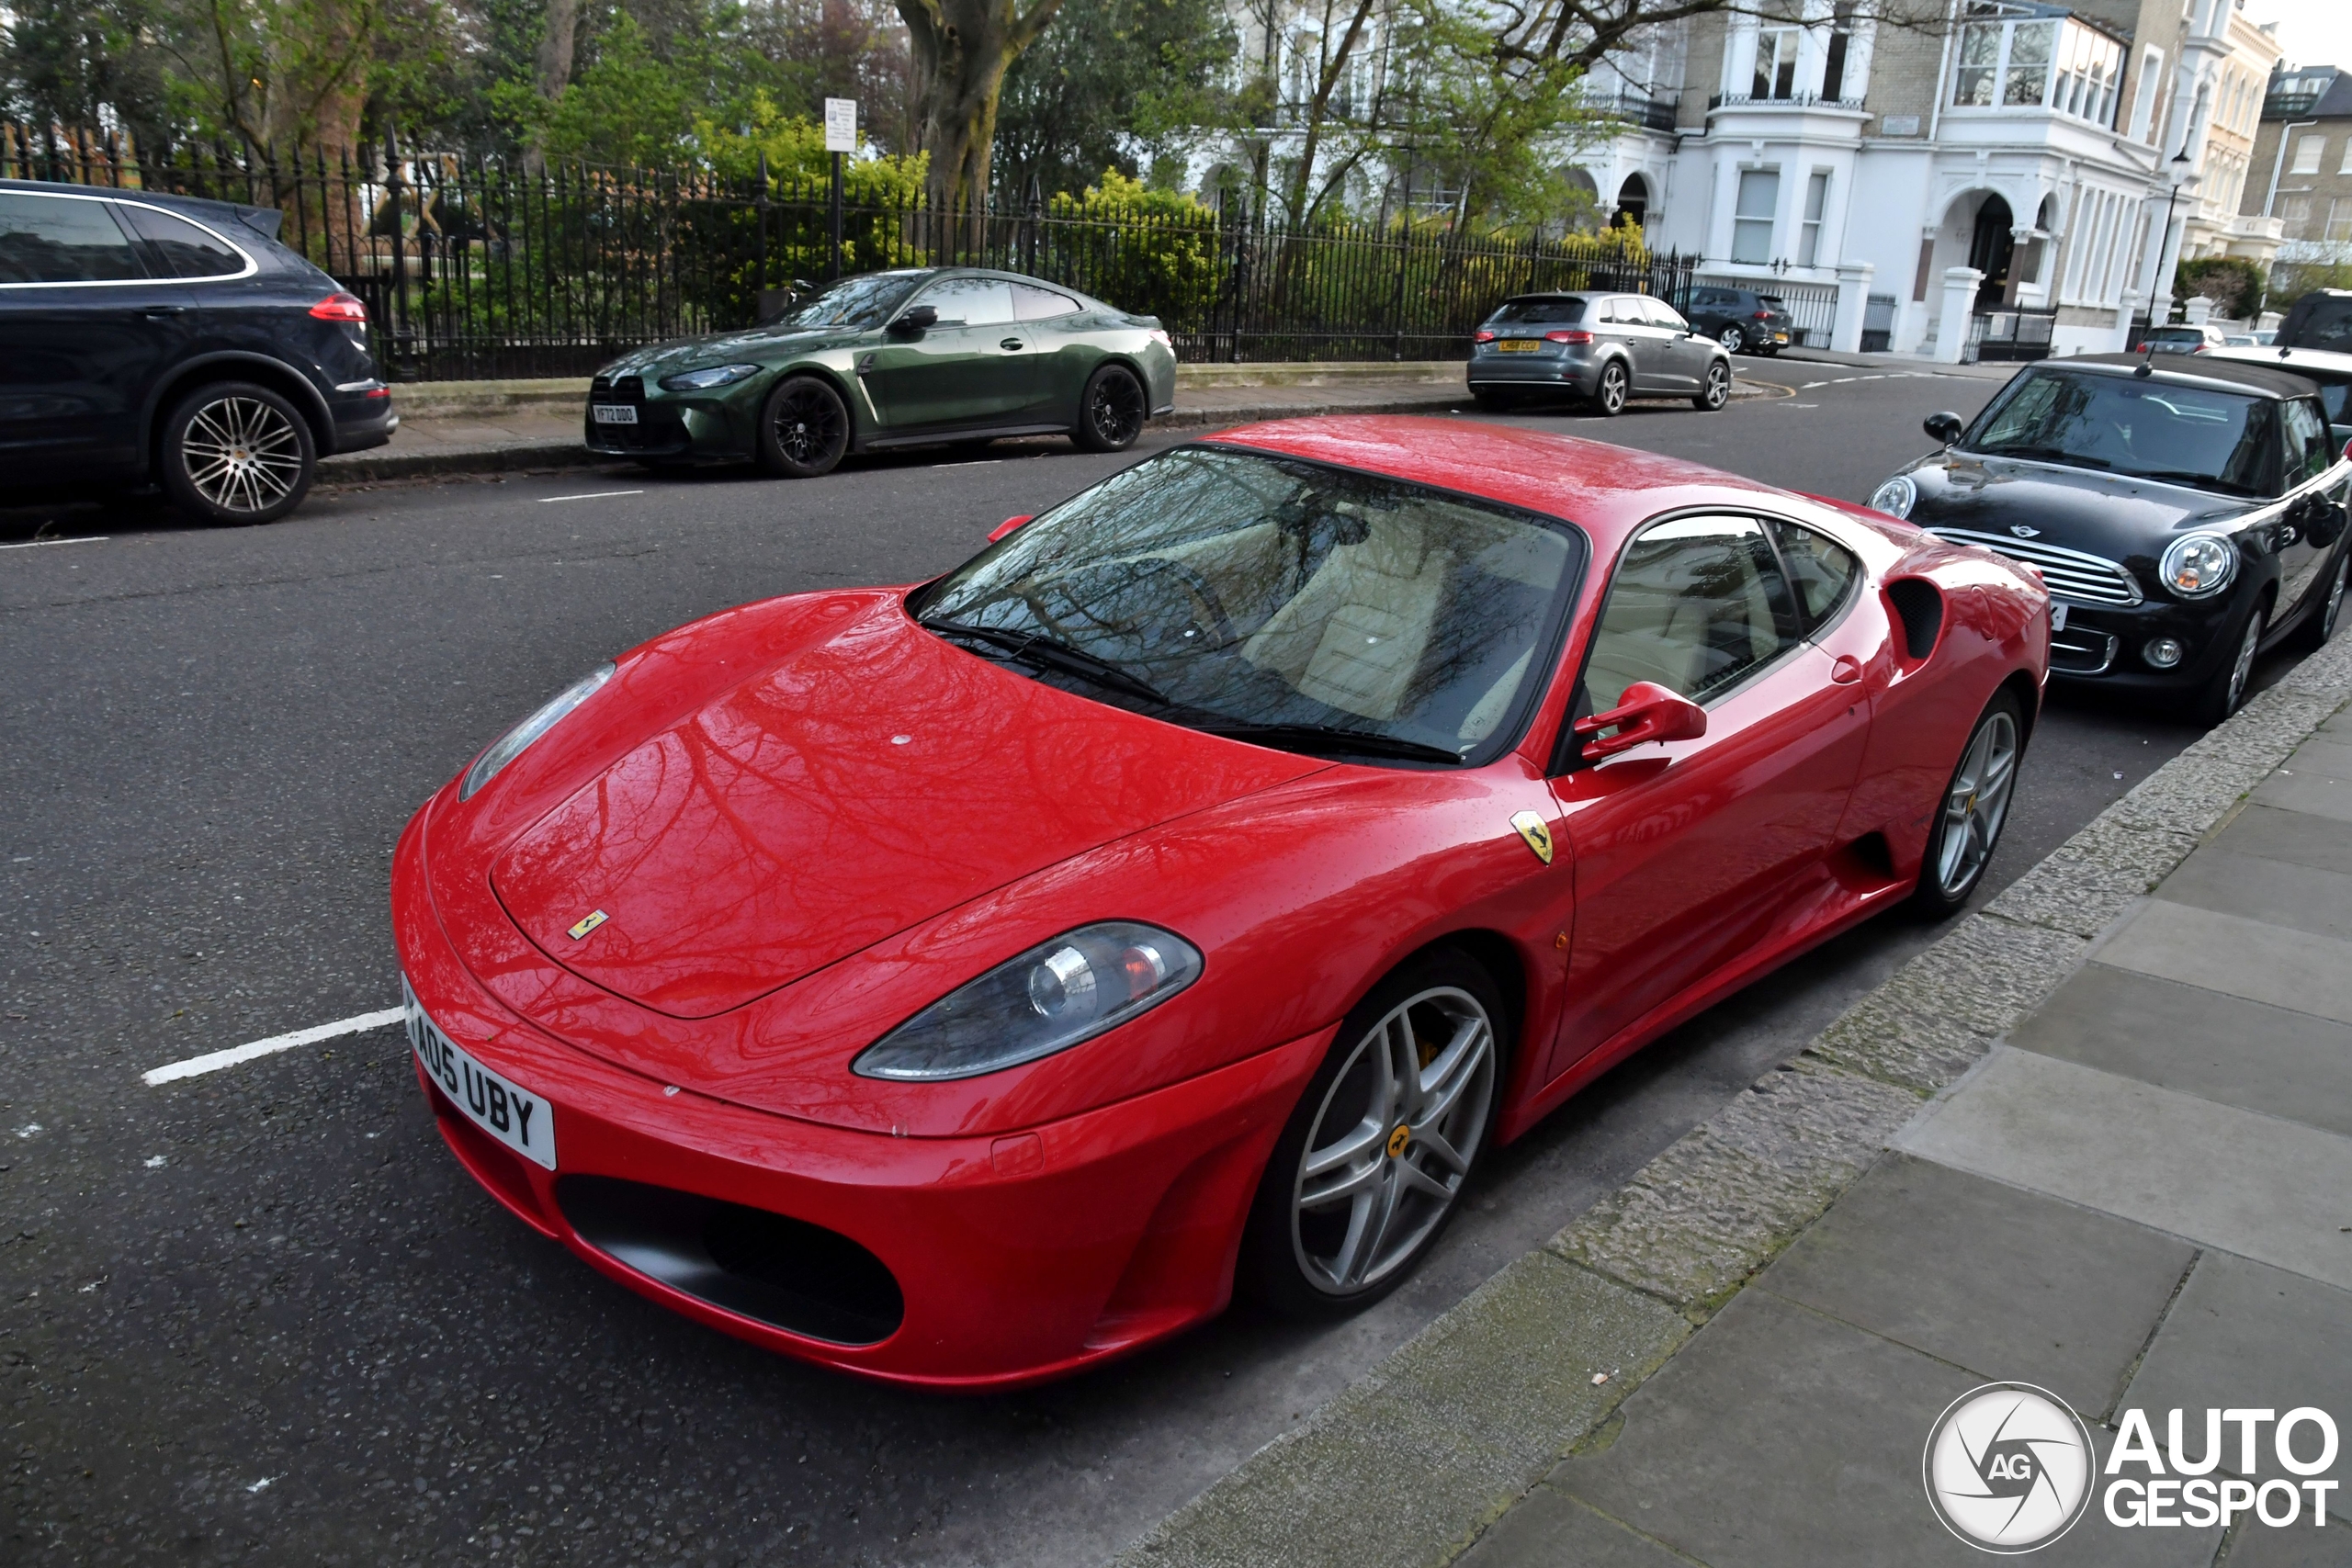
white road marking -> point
(36, 544)
(591, 495)
(214, 1061)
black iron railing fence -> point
(473, 267)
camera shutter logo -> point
(2008, 1467)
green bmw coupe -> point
(890, 359)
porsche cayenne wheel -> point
(2319, 624)
(1609, 397)
(1734, 338)
(1373, 1161)
(1112, 411)
(1975, 808)
(235, 452)
(1717, 391)
(2226, 690)
(803, 429)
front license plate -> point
(2057, 616)
(612, 414)
(520, 1120)
(1518, 346)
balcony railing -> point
(1650, 114)
(1795, 101)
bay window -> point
(2051, 61)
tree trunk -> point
(556, 44)
(961, 50)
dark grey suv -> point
(156, 339)
(1604, 348)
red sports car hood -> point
(875, 778)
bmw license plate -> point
(520, 1120)
(1518, 346)
(612, 414)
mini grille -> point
(2070, 574)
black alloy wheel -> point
(1734, 338)
(804, 428)
(1112, 410)
(236, 452)
(1609, 397)
(2223, 694)
(2319, 624)
(1974, 810)
(1717, 391)
(1372, 1166)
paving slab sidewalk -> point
(533, 431)
(2098, 1139)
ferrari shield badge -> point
(1539, 837)
(595, 918)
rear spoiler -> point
(262, 220)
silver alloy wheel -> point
(2242, 667)
(1732, 338)
(241, 453)
(1613, 386)
(1392, 1141)
(1978, 803)
(1718, 385)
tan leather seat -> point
(1354, 636)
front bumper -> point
(1018, 1257)
(2104, 643)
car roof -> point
(1607, 490)
(2226, 368)
(262, 220)
(2303, 361)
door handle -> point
(165, 311)
(1010, 342)
(1845, 669)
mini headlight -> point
(1896, 496)
(702, 380)
(1044, 1000)
(510, 745)
(2198, 566)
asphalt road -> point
(261, 1313)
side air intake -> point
(1919, 604)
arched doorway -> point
(1989, 249)
(1633, 202)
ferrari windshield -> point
(859, 302)
(1302, 606)
(2139, 426)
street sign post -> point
(841, 140)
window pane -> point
(1535, 312)
(1760, 192)
(187, 251)
(2028, 75)
(1980, 49)
(2307, 153)
(1691, 610)
(1820, 570)
(1662, 315)
(49, 238)
(1032, 304)
(970, 301)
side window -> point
(1034, 304)
(970, 301)
(1662, 315)
(1698, 603)
(2335, 399)
(54, 239)
(1820, 571)
(2307, 453)
(186, 249)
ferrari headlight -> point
(510, 745)
(1045, 1000)
(702, 380)
(1896, 496)
(2198, 566)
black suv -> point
(1742, 319)
(2322, 318)
(159, 339)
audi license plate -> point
(612, 414)
(513, 1115)
(1518, 346)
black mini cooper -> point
(2185, 514)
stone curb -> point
(1408, 1464)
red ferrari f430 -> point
(964, 984)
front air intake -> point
(771, 1268)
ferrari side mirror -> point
(1007, 526)
(1942, 428)
(1646, 712)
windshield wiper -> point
(2045, 455)
(1039, 648)
(1334, 737)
